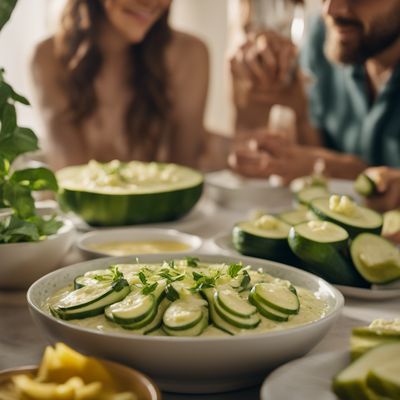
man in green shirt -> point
(352, 106)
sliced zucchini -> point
(351, 383)
(219, 322)
(379, 332)
(265, 237)
(309, 181)
(295, 217)
(309, 194)
(384, 379)
(375, 258)
(182, 315)
(89, 301)
(266, 311)
(82, 280)
(365, 186)
(279, 297)
(194, 330)
(249, 322)
(230, 301)
(134, 308)
(322, 246)
(355, 219)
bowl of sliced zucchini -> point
(195, 324)
(118, 193)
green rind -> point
(325, 260)
(352, 230)
(257, 246)
(99, 209)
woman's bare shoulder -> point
(186, 47)
(44, 62)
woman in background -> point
(116, 82)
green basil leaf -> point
(149, 288)
(8, 119)
(17, 230)
(36, 179)
(142, 277)
(19, 98)
(6, 8)
(192, 261)
(19, 198)
(20, 141)
(5, 93)
(46, 226)
(234, 269)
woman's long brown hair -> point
(148, 114)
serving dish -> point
(89, 242)
(237, 193)
(133, 380)
(305, 379)
(191, 364)
(23, 263)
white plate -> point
(135, 234)
(224, 242)
(376, 293)
(305, 379)
(235, 192)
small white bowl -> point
(135, 235)
(202, 364)
(23, 263)
(237, 193)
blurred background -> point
(216, 22)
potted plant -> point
(19, 222)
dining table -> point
(22, 343)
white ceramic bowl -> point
(135, 234)
(23, 263)
(237, 193)
(196, 364)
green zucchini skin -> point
(266, 248)
(98, 209)
(327, 260)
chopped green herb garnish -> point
(192, 261)
(149, 288)
(245, 281)
(234, 269)
(171, 293)
(142, 277)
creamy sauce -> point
(144, 247)
(312, 307)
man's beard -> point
(383, 33)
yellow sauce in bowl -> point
(139, 247)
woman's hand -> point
(387, 181)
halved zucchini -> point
(265, 240)
(375, 258)
(116, 193)
(391, 223)
(295, 217)
(322, 246)
(355, 221)
(307, 195)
